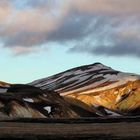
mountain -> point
(98, 86)
(25, 101)
(86, 91)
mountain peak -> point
(84, 77)
(97, 63)
(96, 85)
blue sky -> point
(39, 38)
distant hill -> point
(25, 101)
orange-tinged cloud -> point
(66, 21)
(108, 6)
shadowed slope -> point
(25, 101)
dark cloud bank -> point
(91, 28)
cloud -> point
(74, 28)
(126, 7)
(26, 27)
(103, 27)
(18, 50)
(128, 47)
(125, 44)
(125, 48)
(121, 40)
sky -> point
(39, 38)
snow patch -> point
(28, 100)
(48, 108)
(95, 105)
(118, 98)
(3, 90)
(45, 95)
(111, 113)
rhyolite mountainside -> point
(98, 86)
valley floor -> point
(73, 129)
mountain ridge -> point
(96, 85)
(98, 69)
